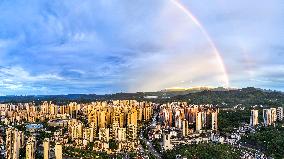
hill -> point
(219, 96)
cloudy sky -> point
(107, 46)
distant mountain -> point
(246, 96)
(201, 95)
(196, 89)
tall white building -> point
(273, 115)
(253, 117)
(267, 117)
(198, 121)
(280, 113)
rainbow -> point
(211, 42)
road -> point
(150, 147)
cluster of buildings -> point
(116, 121)
(99, 125)
(189, 118)
(270, 116)
(78, 126)
(180, 123)
(16, 140)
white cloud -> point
(16, 78)
(110, 45)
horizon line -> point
(185, 89)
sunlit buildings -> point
(267, 117)
(273, 114)
(30, 148)
(253, 117)
(58, 151)
(9, 143)
(184, 127)
(121, 135)
(198, 121)
(280, 113)
(104, 137)
(29, 151)
(13, 143)
(79, 125)
(199, 117)
(132, 132)
(270, 116)
(46, 147)
(147, 112)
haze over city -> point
(108, 46)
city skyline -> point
(52, 47)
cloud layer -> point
(106, 46)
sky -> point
(109, 46)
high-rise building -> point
(132, 117)
(88, 134)
(267, 117)
(104, 137)
(30, 150)
(94, 127)
(170, 121)
(178, 122)
(17, 144)
(198, 121)
(140, 114)
(13, 143)
(46, 148)
(147, 111)
(273, 115)
(203, 116)
(214, 120)
(92, 133)
(79, 130)
(104, 134)
(132, 132)
(9, 140)
(58, 151)
(184, 127)
(121, 120)
(121, 134)
(102, 119)
(115, 127)
(280, 113)
(253, 117)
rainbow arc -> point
(217, 54)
